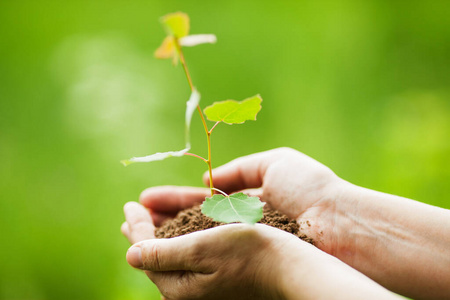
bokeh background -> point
(362, 86)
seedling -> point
(221, 207)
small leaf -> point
(177, 24)
(233, 208)
(198, 39)
(167, 48)
(191, 104)
(154, 157)
(234, 112)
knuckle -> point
(152, 260)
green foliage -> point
(177, 27)
(191, 104)
(176, 24)
(233, 208)
(234, 112)
(238, 207)
(154, 157)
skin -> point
(398, 243)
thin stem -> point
(208, 133)
(217, 123)
(203, 119)
(183, 63)
(211, 184)
(222, 192)
(197, 156)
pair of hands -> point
(239, 261)
(233, 261)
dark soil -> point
(192, 219)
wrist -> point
(327, 222)
(313, 274)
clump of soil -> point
(192, 219)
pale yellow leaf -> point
(177, 24)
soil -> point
(192, 219)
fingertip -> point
(144, 196)
(171, 199)
(125, 229)
(129, 205)
(134, 257)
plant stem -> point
(197, 156)
(222, 192)
(208, 132)
(217, 123)
(183, 63)
(211, 185)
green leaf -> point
(177, 24)
(233, 208)
(168, 50)
(154, 157)
(234, 112)
(191, 105)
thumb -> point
(174, 254)
(245, 172)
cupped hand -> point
(239, 261)
(228, 262)
(288, 180)
(234, 261)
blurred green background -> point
(362, 86)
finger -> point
(253, 192)
(188, 252)
(171, 199)
(125, 229)
(245, 172)
(140, 224)
(162, 255)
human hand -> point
(239, 261)
(357, 225)
(288, 180)
(229, 262)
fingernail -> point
(134, 257)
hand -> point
(229, 262)
(368, 230)
(240, 261)
(289, 181)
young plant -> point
(221, 207)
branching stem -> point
(197, 156)
(217, 123)
(208, 132)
